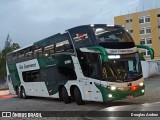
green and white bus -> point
(86, 63)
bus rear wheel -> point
(23, 93)
(65, 96)
(78, 96)
(17, 91)
(20, 93)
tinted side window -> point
(35, 75)
(51, 74)
(14, 57)
(63, 43)
(21, 54)
(43, 74)
(66, 73)
(38, 52)
(49, 50)
(31, 76)
(90, 64)
(28, 53)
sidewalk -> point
(4, 92)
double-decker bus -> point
(85, 63)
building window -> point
(144, 19)
(141, 20)
(148, 30)
(142, 41)
(149, 40)
(130, 31)
(148, 53)
(127, 21)
(143, 52)
(146, 41)
(147, 19)
(142, 31)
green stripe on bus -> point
(102, 51)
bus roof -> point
(96, 25)
(48, 40)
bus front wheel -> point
(78, 96)
(65, 96)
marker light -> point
(114, 56)
(110, 95)
(141, 84)
(142, 90)
(92, 25)
(110, 25)
(113, 87)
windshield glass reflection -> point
(127, 68)
(112, 34)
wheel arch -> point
(80, 89)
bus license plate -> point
(129, 97)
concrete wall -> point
(150, 68)
(3, 85)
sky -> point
(28, 21)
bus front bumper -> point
(111, 95)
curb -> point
(4, 92)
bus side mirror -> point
(103, 52)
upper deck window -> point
(63, 43)
(81, 37)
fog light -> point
(110, 95)
(141, 84)
(142, 90)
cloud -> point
(31, 20)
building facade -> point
(144, 28)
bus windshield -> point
(112, 34)
(127, 68)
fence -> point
(150, 68)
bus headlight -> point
(113, 56)
(112, 87)
(141, 84)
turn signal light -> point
(134, 87)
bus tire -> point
(60, 95)
(20, 93)
(78, 96)
(17, 91)
(65, 96)
(24, 93)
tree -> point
(8, 47)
